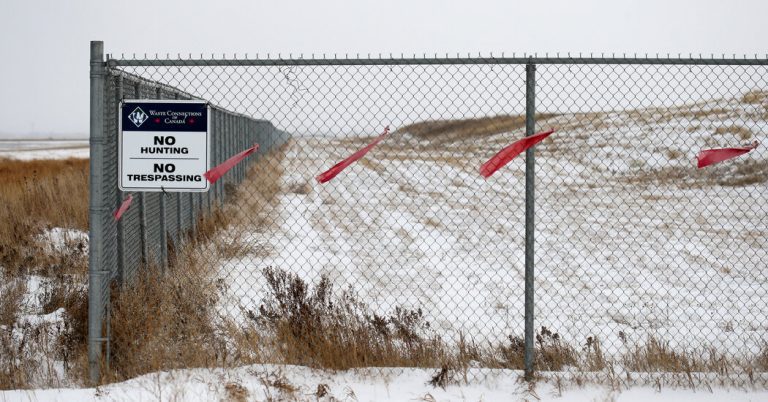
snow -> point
(35, 335)
(616, 257)
(413, 227)
(270, 382)
(42, 149)
(63, 240)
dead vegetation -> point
(37, 195)
(236, 392)
(162, 322)
(258, 193)
(657, 356)
(550, 352)
(761, 361)
(741, 132)
(754, 97)
(11, 294)
(304, 324)
(439, 132)
(741, 173)
(315, 327)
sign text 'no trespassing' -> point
(164, 145)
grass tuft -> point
(551, 353)
(656, 355)
(312, 326)
(754, 97)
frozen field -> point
(632, 241)
(292, 383)
(43, 149)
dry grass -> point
(445, 131)
(301, 188)
(761, 361)
(161, 322)
(312, 327)
(674, 154)
(747, 173)
(550, 353)
(705, 113)
(278, 382)
(649, 116)
(237, 248)
(39, 195)
(236, 392)
(11, 294)
(754, 97)
(739, 131)
(257, 195)
(36, 195)
(742, 172)
(16, 367)
(158, 322)
(31, 351)
(593, 357)
(657, 356)
(432, 222)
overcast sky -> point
(44, 45)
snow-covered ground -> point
(291, 383)
(35, 335)
(632, 241)
(44, 149)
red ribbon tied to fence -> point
(510, 151)
(218, 171)
(123, 207)
(337, 168)
(711, 156)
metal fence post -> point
(530, 127)
(226, 141)
(163, 218)
(179, 222)
(220, 151)
(142, 202)
(143, 227)
(119, 200)
(240, 129)
(243, 141)
(97, 212)
(238, 148)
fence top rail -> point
(327, 60)
(135, 79)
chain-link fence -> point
(634, 250)
(157, 221)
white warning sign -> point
(164, 145)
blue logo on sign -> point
(138, 117)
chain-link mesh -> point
(157, 218)
(157, 222)
(633, 244)
(636, 246)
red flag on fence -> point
(711, 156)
(337, 168)
(218, 171)
(509, 152)
(123, 207)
